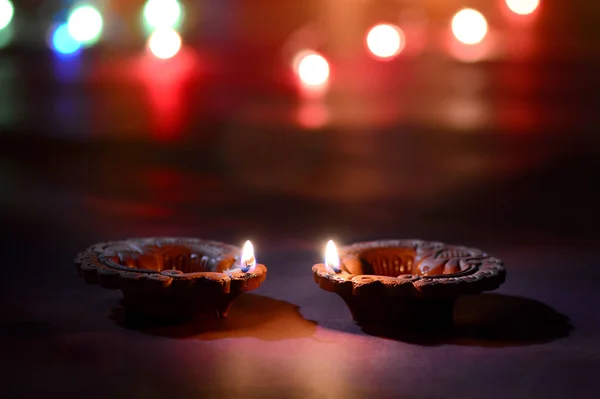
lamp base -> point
(170, 307)
(401, 311)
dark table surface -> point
(502, 156)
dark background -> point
(218, 143)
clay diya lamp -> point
(172, 278)
(406, 282)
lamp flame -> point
(248, 260)
(332, 259)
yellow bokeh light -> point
(523, 7)
(312, 68)
(469, 26)
(385, 41)
(164, 43)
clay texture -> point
(170, 278)
(404, 280)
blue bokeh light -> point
(63, 43)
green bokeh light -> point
(6, 36)
(163, 14)
(85, 24)
(7, 11)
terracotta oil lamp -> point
(406, 281)
(173, 278)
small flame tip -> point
(248, 260)
(332, 260)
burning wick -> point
(248, 260)
(332, 260)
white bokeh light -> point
(385, 41)
(164, 43)
(469, 26)
(162, 13)
(523, 7)
(85, 23)
(312, 68)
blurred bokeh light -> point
(523, 7)
(85, 24)
(164, 43)
(162, 13)
(312, 114)
(469, 26)
(62, 42)
(6, 36)
(7, 12)
(312, 68)
(385, 41)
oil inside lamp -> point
(248, 261)
(332, 260)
